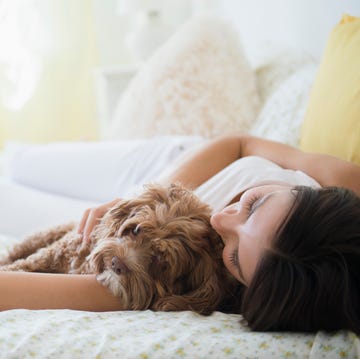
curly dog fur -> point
(157, 251)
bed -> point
(283, 78)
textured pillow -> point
(332, 121)
(284, 84)
(199, 82)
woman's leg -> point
(93, 171)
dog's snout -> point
(118, 266)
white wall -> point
(303, 24)
(112, 27)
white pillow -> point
(198, 83)
(285, 92)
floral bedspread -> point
(76, 334)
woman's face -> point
(249, 226)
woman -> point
(295, 249)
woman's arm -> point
(327, 170)
(54, 291)
(197, 167)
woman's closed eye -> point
(234, 260)
(250, 204)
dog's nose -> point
(118, 266)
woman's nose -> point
(226, 221)
(231, 209)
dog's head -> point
(159, 251)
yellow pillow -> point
(332, 120)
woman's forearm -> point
(201, 165)
(326, 169)
(21, 290)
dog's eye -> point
(136, 230)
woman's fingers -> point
(91, 218)
(83, 220)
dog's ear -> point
(204, 295)
(203, 300)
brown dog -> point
(157, 251)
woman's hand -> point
(91, 218)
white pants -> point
(54, 183)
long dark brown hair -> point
(310, 279)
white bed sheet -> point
(24, 210)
